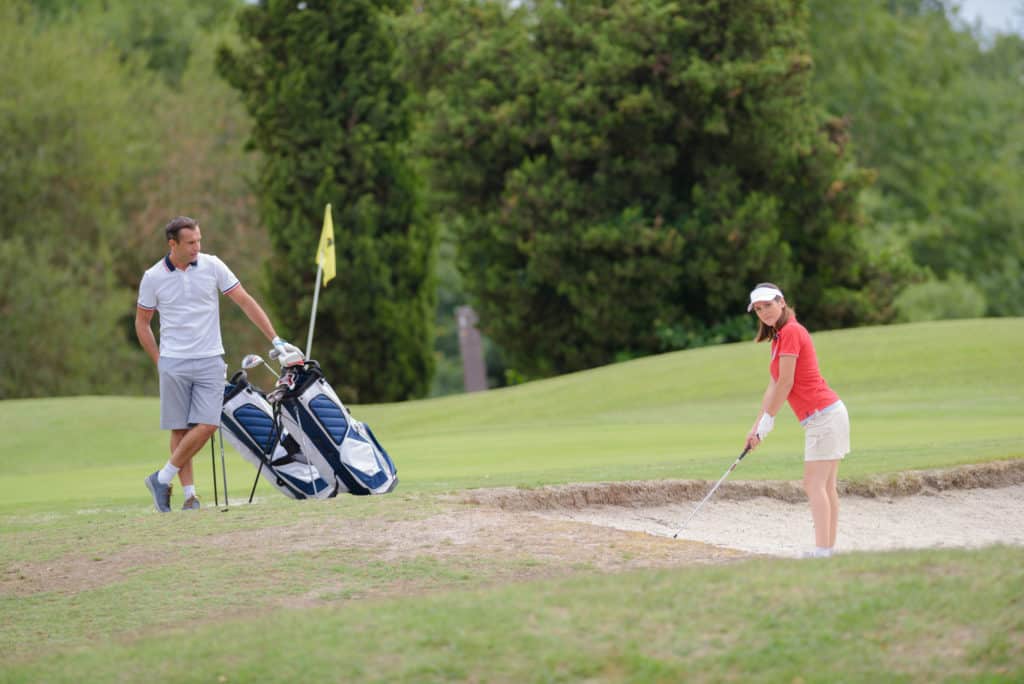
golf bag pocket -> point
(329, 436)
(247, 422)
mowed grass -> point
(124, 596)
(97, 587)
(920, 396)
(925, 617)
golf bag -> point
(328, 436)
(248, 422)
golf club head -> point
(253, 360)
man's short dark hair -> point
(176, 224)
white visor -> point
(763, 294)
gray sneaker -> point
(191, 504)
(161, 493)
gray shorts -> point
(191, 391)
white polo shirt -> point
(189, 305)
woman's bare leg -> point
(833, 496)
(816, 484)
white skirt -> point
(827, 434)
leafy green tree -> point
(62, 318)
(625, 171)
(332, 124)
(204, 171)
(939, 117)
(77, 140)
(100, 153)
(76, 131)
(159, 36)
(935, 300)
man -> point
(184, 287)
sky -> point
(995, 15)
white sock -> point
(190, 491)
(822, 552)
(167, 473)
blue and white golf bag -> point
(247, 421)
(328, 436)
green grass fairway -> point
(418, 586)
(116, 595)
(920, 396)
(859, 619)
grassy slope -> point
(920, 396)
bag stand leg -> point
(256, 481)
(213, 462)
(268, 450)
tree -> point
(77, 140)
(625, 171)
(160, 36)
(62, 316)
(332, 123)
(940, 119)
(205, 172)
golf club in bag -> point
(328, 435)
(713, 490)
(253, 429)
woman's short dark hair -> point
(176, 224)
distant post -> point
(474, 375)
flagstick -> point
(312, 315)
(309, 347)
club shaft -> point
(223, 468)
(709, 495)
(213, 462)
(712, 492)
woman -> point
(795, 378)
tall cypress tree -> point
(332, 124)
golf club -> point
(224, 471)
(717, 484)
(213, 461)
(253, 360)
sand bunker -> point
(969, 506)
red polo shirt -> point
(810, 392)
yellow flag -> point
(325, 251)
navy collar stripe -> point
(170, 266)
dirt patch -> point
(74, 572)
(491, 544)
(643, 494)
(510, 534)
(463, 535)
